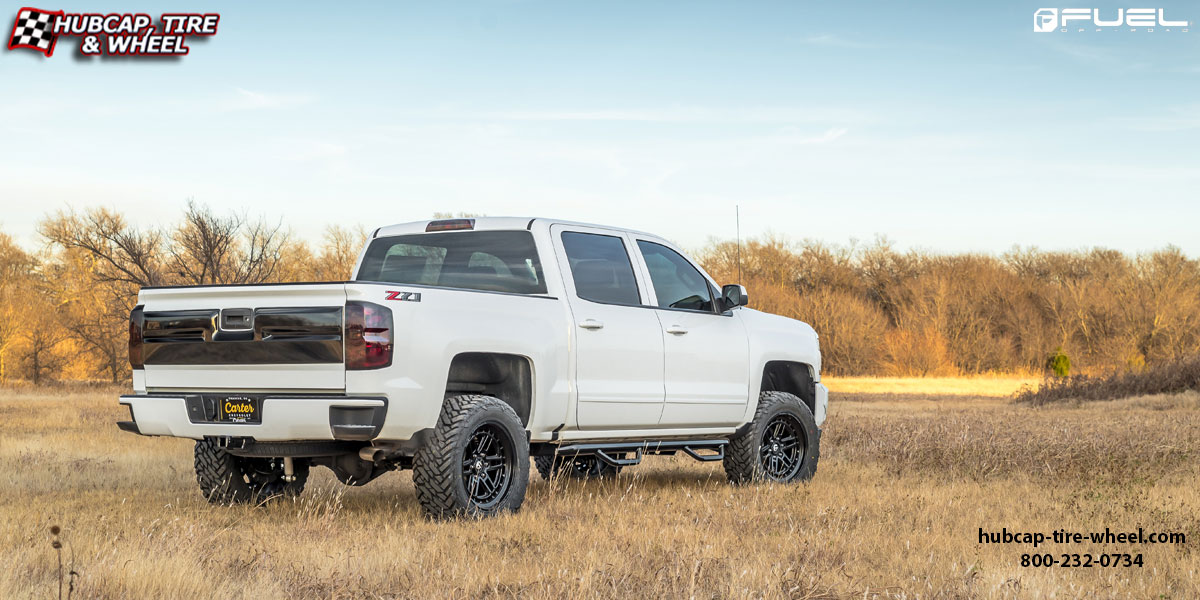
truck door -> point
(618, 342)
(707, 357)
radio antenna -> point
(737, 219)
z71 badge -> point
(404, 296)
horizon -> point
(821, 122)
(316, 240)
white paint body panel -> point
(706, 369)
(283, 419)
(822, 404)
(618, 352)
(629, 379)
(445, 323)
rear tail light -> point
(368, 336)
(136, 321)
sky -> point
(947, 126)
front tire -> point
(228, 479)
(476, 462)
(781, 444)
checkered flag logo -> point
(34, 29)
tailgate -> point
(249, 337)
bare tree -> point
(457, 215)
(210, 249)
(123, 253)
(339, 252)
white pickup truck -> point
(462, 348)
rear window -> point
(492, 261)
(600, 267)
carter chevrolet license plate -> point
(239, 409)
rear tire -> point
(228, 479)
(575, 467)
(476, 462)
(782, 443)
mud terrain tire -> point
(228, 479)
(781, 444)
(476, 461)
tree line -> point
(879, 311)
(64, 308)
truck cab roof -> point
(491, 224)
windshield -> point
(493, 261)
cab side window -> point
(601, 268)
(677, 284)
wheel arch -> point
(508, 377)
(794, 377)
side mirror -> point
(734, 295)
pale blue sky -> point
(950, 126)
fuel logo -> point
(1046, 20)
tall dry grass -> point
(1169, 377)
(925, 388)
(894, 512)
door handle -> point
(591, 324)
(677, 330)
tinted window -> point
(600, 267)
(676, 282)
(495, 261)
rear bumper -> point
(822, 404)
(283, 419)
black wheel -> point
(781, 444)
(228, 479)
(476, 462)
(576, 467)
(781, 453)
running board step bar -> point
(617, 453)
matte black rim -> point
(487, 465)
(782, 450)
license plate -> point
(239, 409)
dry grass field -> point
(905, 482)
(928, 388)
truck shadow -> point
(394, 493)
